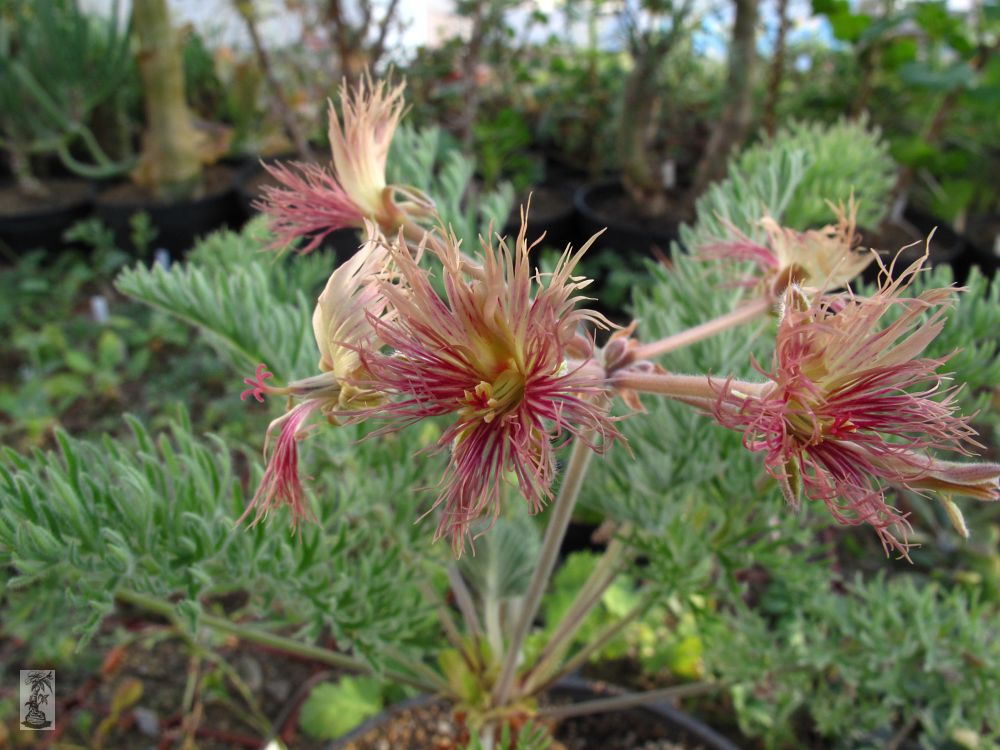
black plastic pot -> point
(43, 228)
(627, 238)
(552, 213)
(246, 187)
(677, 724)
(947, 247)
(178, 225)
(984, 243)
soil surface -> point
(432, 727)
(218, 717)
(63, 192)
(216, 179)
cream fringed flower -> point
(342, 323)
(312, 200)
(820, 259)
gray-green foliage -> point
(791, 177)
(255, 307)
(423, 159)
(156, 515)
(845, 158)
(748, 192)
(859, 665)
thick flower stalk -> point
(313, 200)
(852, 407)
(492, 352)
(820, 259)
(342, 322)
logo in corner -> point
(37, 686)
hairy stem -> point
(743, 314)
(281, 643)
(683, 387)
(562, 511)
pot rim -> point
(577, 687)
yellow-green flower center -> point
(489, 400)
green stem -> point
(587, 598)
(544, 678)
(281, 643)
(562, 511)
(744, 314)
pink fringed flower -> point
(312, 201)
(854, 407)
(280, 485)
(824, 258)
(342, 324)
(492, 352)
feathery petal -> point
(491, 352)
(854, 407)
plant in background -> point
(576, 93)
(501, 143)
(654, 31)
(933, 64)
(414, 328)
(59, 65)
(173, 149)
(847, 158)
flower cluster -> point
(411, 327)
(493, 352)
(852, 406)
(499, 351)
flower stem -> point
(586, 599)
(562, 511)
(740, 315)
(681, 386)
(545, 678)
(281, 643)
(629, 700)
